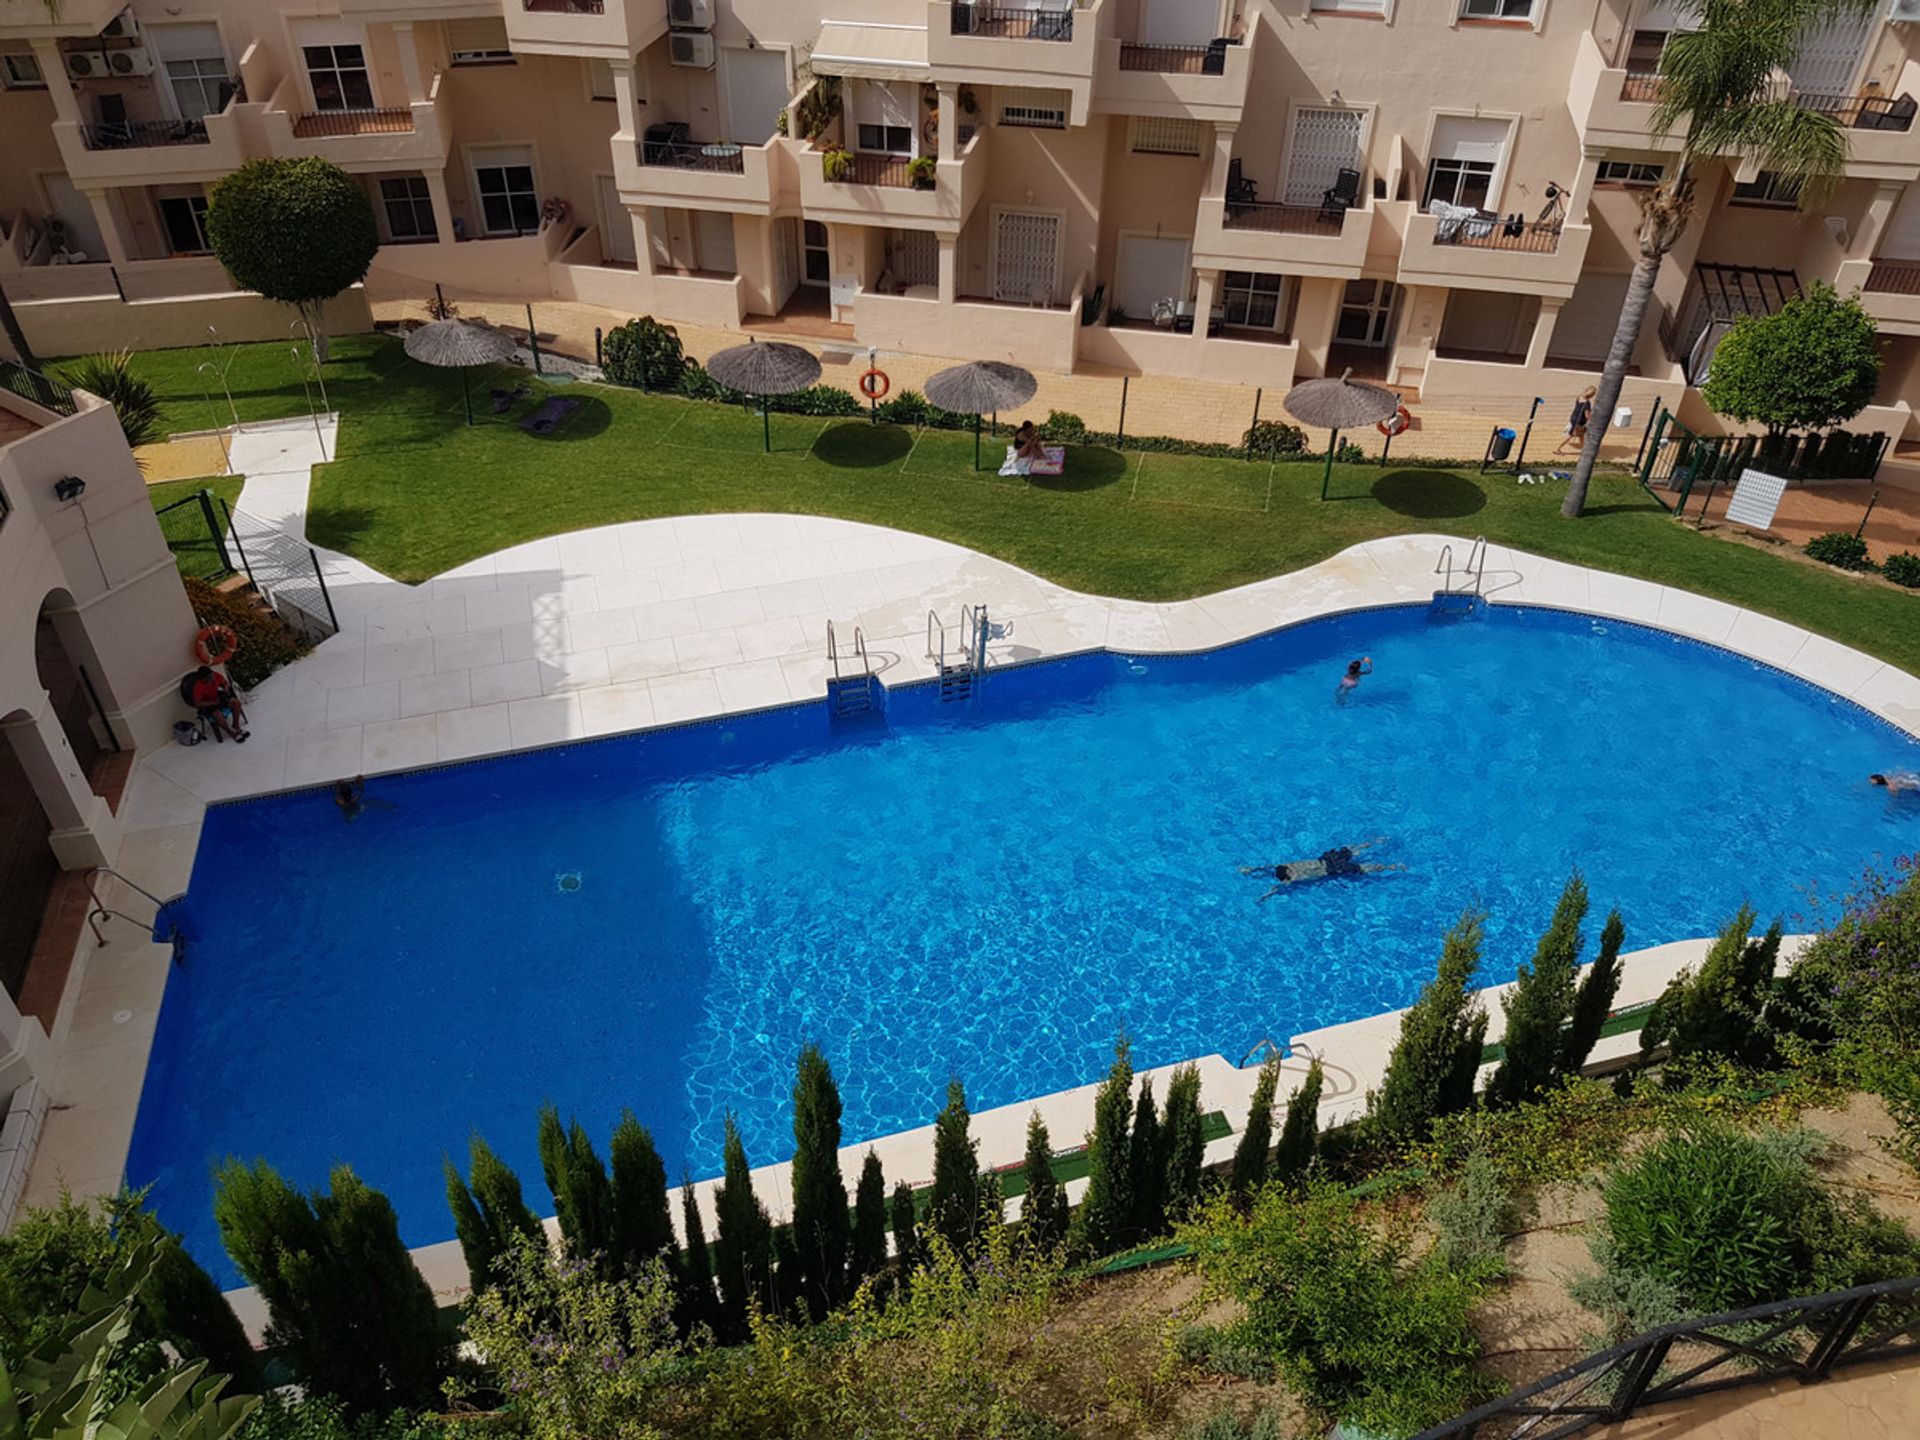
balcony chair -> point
(1241, 192)
(1339, 197)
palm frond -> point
(1794, 143)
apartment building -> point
(1439, 193)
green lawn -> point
(414, 492)
(194, 548)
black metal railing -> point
(1011, 22)
(1527, 236)
(133, 134)
(1641, 85)
(1277, 219)
(42, 390)
(1895, 277)
(873, 170)
(322, 123)
(1174, 59)
(1861, 112)
(1804, 1339)
(692, 155)
(196, 531)
(567, 7)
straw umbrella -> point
(775, 368)
(459, 345)
(1343, 404)
(980, 386)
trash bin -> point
(1502, 445)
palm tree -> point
(1719, 88)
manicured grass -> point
(415, 492)
(194, 548)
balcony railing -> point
(692, 155)
(1641, 85)
(136, 134)
(1861, 112)
(1530, 237)
(321, 123)
(1175, 59)
(566, 7)
(42, 390)
(1277, 219)
(1895, 277)
(1012, 22)
(874, 170)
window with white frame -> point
(195, 64)
(1253, 299)
(338, 75)
(886, 115)
(1770, 189)
(480, 41)
(408, 206)
(184, 218)
(600, 79)
(1033, 109)
(1640, 173)
(1466, 157)
(1350, 7)
(1168, 135)
(1497, 9)
(20, 70)
(503, 182)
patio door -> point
(816, 253)
(1830, 53)
(786, 259)
(756, 82)
(1026, 256)
(616, 225)
(1321, 143)
(1152, 268)
(1180, 22)
(1367, 310)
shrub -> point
(1838, 548)
(488, 1211)
(582, 1194)
(1472, 1218)
(1251, 1155)
(1064, 427)
(1721, 1011)
(1225, 1424)
(821, 1232)
(1183, 1142)
(1349, 453)
(134, 404)
(921, 173)
(697, 1303)
(953, 1208)
(743, 1252)
(1431, 1070)
(904, 1224)
(282, 1416)
(1220, 1352)
(644, 353)
(1903, 569)
(1106, 1211)
(1593, 1002)
(836, 164)
(1146, 1168)
(1293, 1156)
(265, 642)
(910, 407)
(1541, 1002)
(640, 1223)
(1270, 439)
(1359, 1328)
(826, 400)
(1043, 1210)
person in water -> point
(1335, 864)
(349, 795)
(1350, 681)
(1900, 782)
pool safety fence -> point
(199, 532)
(1676, 459)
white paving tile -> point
(642, 660)
(469, 650)
(426, 694)
(612, 709)
(545, 720)
(600, 628)
(331, 756)
(399, 744)
(513, 680)
(363, 704)
(706, 648)
(578, 670)
(685, 697)
(768, 639)
(728, 609)
(476, 730)
(752, 686)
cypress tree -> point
(554, 1159)
(820, 1230)
(1106, 1213)
(993, 1208)
(1540, 1003)
(1256, 1141)
(1293, 1156)
(906, 1234)
(592, 1195)
(393, 1305)
(785, 1295)
(869, 1222)
(744, 1249)
(185, 1305)
(953, 1210)
(695, 1272)
(1594, 1000)
(1146, 1168)
(1043, 1210)
(1432, 1068)
(642, 1222)
(488, 1211)
(1183, 1142)
(1721, 1011)
(476, 1241)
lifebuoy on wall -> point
(875, 384)
(215, 644)
(1402, 418)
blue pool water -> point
(989, 890)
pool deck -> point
(666, 621)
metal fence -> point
(1672, 457)
(1805, 1339)
(197, 531)
(42, 390)
(210, 542)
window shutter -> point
(477, 37)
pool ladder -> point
(1450, 601)
(102, 911)
(957, 673)
(850, 691)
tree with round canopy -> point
(1812, 364)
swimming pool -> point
(988, 889)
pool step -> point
(852, 695)
(1455, 605)
(956, 682)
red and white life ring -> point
(216, 644)
(1401, 419)
(875, 384)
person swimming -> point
(1900, 782)
(1335, 864)
(350, 795)
(1350, 681)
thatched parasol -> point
(459, 345)
(979, 387)
(775, 368)
(1336, 405)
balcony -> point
(392, 137)
(1489, 254)
(1198, 82)
(1612, 105)
(1301, 239)
(84, 19)
(692, 175)
(1889, 291)
(878, 189)
(600, 29)
(997, 44)
(149, 152)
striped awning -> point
(871, 51)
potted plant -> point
(836, 164)
(921, 173)
(780, 125)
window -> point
(1367, 309)
(1349, 7)
(338, 74)
(1459, 182)
(600, 80)
(1630, 172)
(408, 206)
(1162, 135)
(816, 254)
(200, 87)
(184, 217)
(1033, 109)
(892, 139)
(1496, 9)
(478, 42)
(509, 204)
(20, 71)
(1464, 160)
(1253, 299)
(1769, 189)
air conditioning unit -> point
(130, 62)
(1907, 11)
(86, 64)
(122, 27)
(692, 51)
(690, 15)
